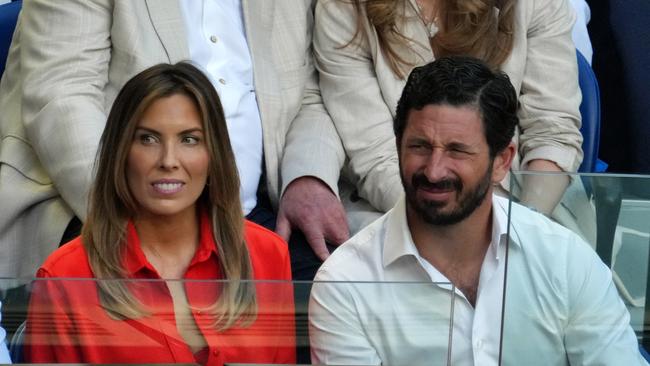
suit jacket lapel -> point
(167, 19)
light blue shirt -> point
(561, 306)
(579, 34)
(4, 354)
(217, 44)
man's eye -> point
(459, 152)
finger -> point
(283, 227)
(337, 233)
(336, 230)
(317, 243)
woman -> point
(365, 50)
(164, 205)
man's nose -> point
(437, 167)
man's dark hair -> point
(462, 81)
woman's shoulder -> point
(269, 253)
(69, 260)
(263, 240)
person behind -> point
(365, 49)
(579, 34)
(69, 59)
(165, 205)
(454, 126)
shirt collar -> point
(135, 260)
(398, 241)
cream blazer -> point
(361, 92)
(67, 62)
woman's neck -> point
(169, 243)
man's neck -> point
(458, 250)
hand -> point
(310, 206)
(541, 191)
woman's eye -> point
(147, 139)
(190, 140)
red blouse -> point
(66, 323)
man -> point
(70, 58)
(454, 125)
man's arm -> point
(313, 157)
(65, 53)
(598, 330)
(335, 331)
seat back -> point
(590, 111)
(8, 18)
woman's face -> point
(167, 166)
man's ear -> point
(502, 162)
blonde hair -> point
(465, 28)
(112, 203)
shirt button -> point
(214, 39)
(479, 344)
(222, 81)
(198, 312)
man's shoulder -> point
(525, 220)
(355, 259)
(540, 237)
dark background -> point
(620, 34)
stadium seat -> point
(8, 17)
(590, 111)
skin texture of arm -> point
(66, 52)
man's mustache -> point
(420, 181)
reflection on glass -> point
(66, 321)
(561, 305)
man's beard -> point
(467, 201)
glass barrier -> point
(562, 303)
(154, 321)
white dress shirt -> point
(4, 354)
(561, 306)
(217, 44)
(580, 34)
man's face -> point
(445, 164)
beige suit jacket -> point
(361, 92)
(68, 60)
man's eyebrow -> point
(460, 146)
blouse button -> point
(214, 39)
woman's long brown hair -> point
(465, 27)
(112, 204)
